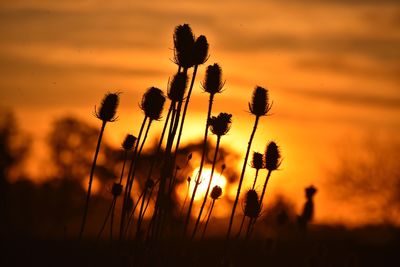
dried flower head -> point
(310, 191)
(177, 87)
(200, 50)
(129, 142)
(152, 103)
(216, 192)
(272, 157)
(184, 45)
(252, 206)
(257, 161)
(221, 124)
(116, 189)
(260, 105)
(108, 107)
(213, 81)
(149, 183)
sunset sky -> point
(331, 67)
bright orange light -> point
(218, 179)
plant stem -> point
(208, 219)
(103, 125)
(241, 178)
(203, 155)
(255, 179)
(106, 219)
(128, 180)
(208, 187)
(185, 109)
(241, 227)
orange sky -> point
(332, 70)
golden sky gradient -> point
(332, 69)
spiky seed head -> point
(252, 206)
(213, 80)
(200, 50)
(116, 189)
(183, 46)
(129, 142)
(149, 183)
(177, 87)
(272, 156)
(260, 105)
(152, 103)
(310, 191)
(216, 192)
(108, 107)
(257, 161)
(221, 124)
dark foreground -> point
(321, 246)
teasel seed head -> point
(108, 107)
(221, 124)
(213, 80)
(116, 189)
(183, 46)
(129, 142)
(149, 183)
(310, 191)
(252, 206)
(260, 105)
(272, 157)
(200, 50)
(257, 161)
(152, 103)
(177, 87)
(216, 192)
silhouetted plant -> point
(308, 210)
(106, 113)
(183, 43)
(152, 105)
(216, 192)
(200, 56)
(116, 189)
(272, 162)
(212, 85)
(259, 106)
(219, 126)
(252, 208)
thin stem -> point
(249, 227)
(139, 220)
(128, 180)
(186, 196)
(132, 213)
(196, 183)
(185, 109)
(112, 219)
(241, 227)
(208, 187)
(255, 179)
(241, 178)
(106, 219)
(103, 125)
(208, 219)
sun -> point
(218, 179)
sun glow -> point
(218, 179)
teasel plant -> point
(252, 209)
(152, 105)
(212, 85)
(259, 106)
(106, 113)
(116, 190)
(219, 126)
(184, 41)
(257, 163)
(272, 159)
(200, 56)
(216, 193)
(176, 93)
